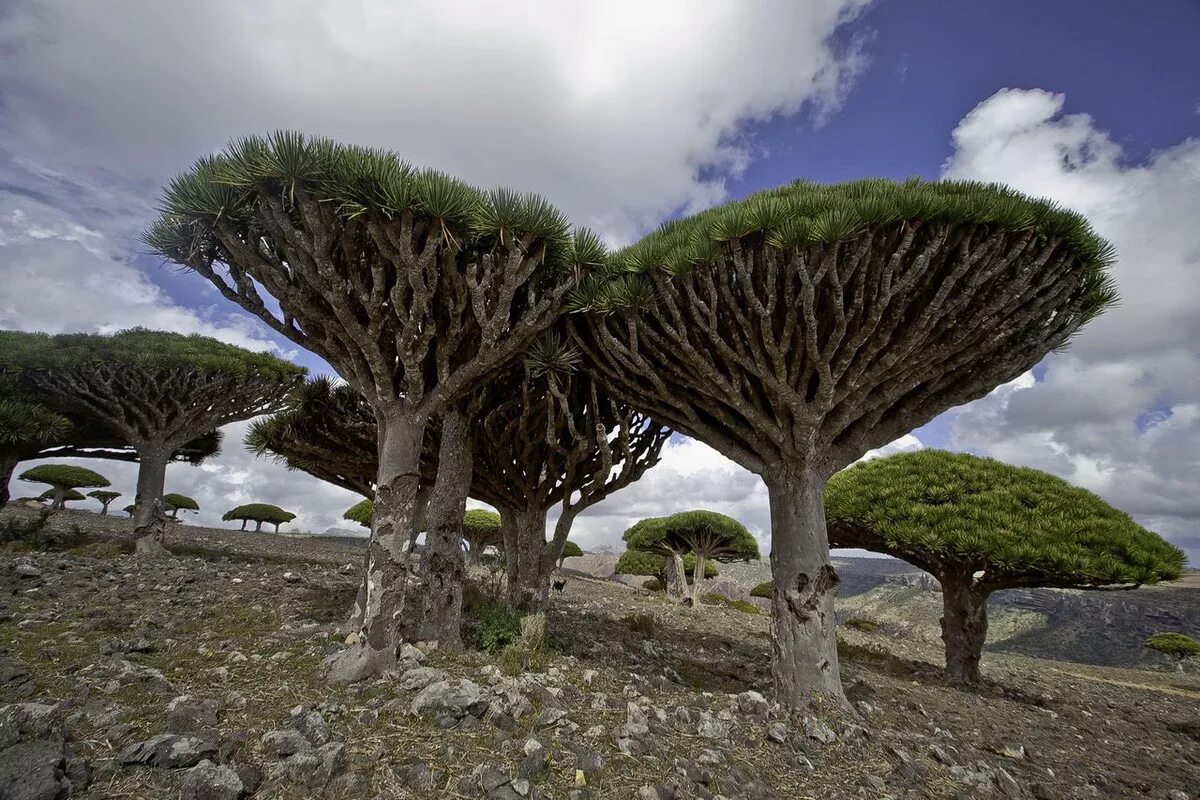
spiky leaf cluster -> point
(104, 496)
(1020, 526)
(64, 476)
(259, 512)
(29, 424)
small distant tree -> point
(258, 513)
(481, 530)
(69, 496)
(765, 589)
(155, 391)
(980, 525)
(707, 535)
(569, 550)
(63, 478)
(104, 497)
(129, 509)
(1178, 646)
(654, 565)
(174, 503)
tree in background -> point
(361, 512)
(798, 328)
(1178, 646)
(155, 391)
(173, 503)
(129, 509)
(980, 525)
(25, 426)
(259, 513)
(706, 535)
(416, 288)
(61, 498)
(569, 550)
(62, 479)
(104, 497)
(481, 530)
(673, 577)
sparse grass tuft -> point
(714, 599)
(643, 624)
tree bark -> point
(8, 465)
(243, 525)
(60, 497)
(523, 559)
(354, 623)
(152, 476)
(803, 623)
(552, 558)
(443, 569)
(258, 525)
(675, 574)
(964, 626)
(104, 509)
(151, 536)
(697, 579)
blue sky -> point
(627, 115)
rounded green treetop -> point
(707, 535)
(480, 530)
(69, 496)
(259, 513)
(1178, 646)
(64, 477)
(361, 512)
(980, 525)
(569, 550)
(173, 503)
(104, 497)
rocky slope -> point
(199, 677)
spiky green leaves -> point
(64, 476)
(1010, 521)
(24, 424)
(138, 347)
(802, 214)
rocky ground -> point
(199, 677)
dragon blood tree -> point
(569, 550)
(672, 574)
(798, 328)
(689, 541)
(25, 427)
(980, 525)
(173, 503)
(258, 513)
(104, 498)
(153, 390)
(415, 287)
(64, 479)
(481, 530)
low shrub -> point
(494, 624)
(737, 605)
(765, 589)
(1175, 645)
(526, 653)
(640, 623)
(859, 624)
(654, 585)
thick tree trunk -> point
(552, 558)
(243, 525)
(60, 497)
(389, 571)
(104, 509)
(697, 580)
(675, 574)
(354, 623)
(152, 536)
(277, 524)
(442, 565)
(152, 476)
(8, 465)
(258, 525)
(964, 627)
(523, 559)
(804, 658)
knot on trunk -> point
(805, 597)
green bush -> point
(526, 653)
(1176, 645)
(714, 599)
(765, 589)
(495, 624)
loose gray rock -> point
(420, 677)
(209, 781)
(187, 714)
(169, 751)
(818, 730)
(285, 742)
(310, 724)
(457, 698)
(753, 704)
(33, 771)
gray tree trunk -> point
(676, 577)
(60, 498)
(8, 465)
(243, 525)
(697, 580)
(354, 623)
(151, 537)
(803, 623)
(389, 571)
(523, 559)
(104, 509)
(551, 558)
(152, 476)
(258, 525)
(964, 627)
(442, 566)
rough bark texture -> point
(152, 477)
(60, 498)
(964, 626)
(523, 558)
(151, 534)
(698, 579)
(676, 576)
(803, 620)
(442, 568)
